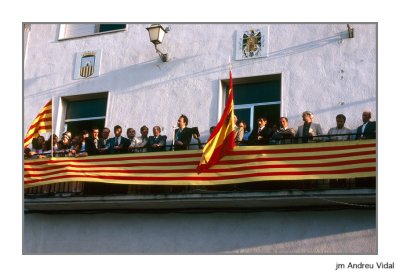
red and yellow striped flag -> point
(222, 139)
(41, 124)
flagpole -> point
(51, 134)
(173, 138)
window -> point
(85, 112)
(257, 96)
(81, 30)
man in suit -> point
(308, 131)
(262, 134)
(92, 142)
(183, 135)
(285, 134)
(118, 144)
(105, 134)
(156, 142)
(131, 133)
(368, 129)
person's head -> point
(340, 120)
(68, 133)
(183, 121)
(38, 143)
(131, 133)
(308, 116)
(105, 133)
(366, 116)
(95, 132)
(144, 131)
(274, 128)
(283, 121)
(27, 153)
(117, 130)
(156, 131)
(262, 121)
(40, 140)
(65, 138)
(242, 124)
(212, 129)
(55, 138)
(75, 140)
(235, 119)
(84, 134)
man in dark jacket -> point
(92, 142)
(156, 142)
(368, 129)
(262, 134)
(183, 135)
(118, 144)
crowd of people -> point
(93, 144)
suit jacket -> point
(102, 143)
(266, 134)
(124, 143)
(315, 130)
(369, 131)
(185, 137)
(161, 140)
(283, 136)
(91, 148)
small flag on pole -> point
(222, 139)
(41, 124)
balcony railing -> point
(335, 165)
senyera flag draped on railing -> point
(41, 124)
(329, 160)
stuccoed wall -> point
(322, 71)
(316, 232)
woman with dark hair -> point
(78, 145)
(240, 132)
(64, 144)
(38, 145)
(81, 149)
(47, 144)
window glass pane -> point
(111, 27)
(76, 127)
(78, 30)
(271, 112)
(257, 92)
(86, 108)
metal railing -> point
(170, 147)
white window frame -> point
(251, 107)
(61, 34)
(64, 100)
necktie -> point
(116, 141)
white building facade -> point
(316, 67)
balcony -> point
(292, 176)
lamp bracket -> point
(164, 56)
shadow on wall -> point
(144, 75)
(337, 108)
(337, 231)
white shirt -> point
(363, 127)
(337, 131)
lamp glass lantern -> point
(156, 33)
